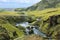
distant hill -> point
(9, 9)
(6, 9)
(20, 9)
(44, 4)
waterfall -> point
(38, 32)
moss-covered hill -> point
(44, 4)
(8, 21)
(50, 21)
(49, 24)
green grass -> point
(9, 13)
(7, 25)
(11, 28)
(45, 14)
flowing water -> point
(23, 24)
(36, 31)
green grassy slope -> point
(45, 15)
(44, 4)
(8, 20)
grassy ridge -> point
(11, 13)
(5, 19)
(46, 14)
(10, 28)
(44, 4)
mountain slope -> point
(44, 4)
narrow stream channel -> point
(36, 31)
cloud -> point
(20, 1)
(3, 0)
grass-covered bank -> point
(48, 24)
(51, 21)
(8, 21)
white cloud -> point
(21, 1)
(3, 0)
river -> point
(36, 31)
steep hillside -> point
(8, 21)
(44, 4)
(49, 22)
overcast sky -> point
(17, 3)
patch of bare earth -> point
(33, 37)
